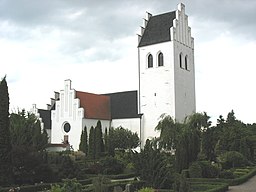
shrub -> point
(232, 159)
(209, 170)
(111, 165)
(147, 189)
(195, 170)
(226, 174)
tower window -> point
(180, 59)
(150, 61)
(160, 59)
(186, 62)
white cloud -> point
(94, 44)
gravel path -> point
(249, 186)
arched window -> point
(160, 59)
(180, 59)
(186, 62)
(150, 61)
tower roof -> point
(158, 29)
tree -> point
(5, 140)
(28, 149)
(83, 146)
(100, 184)
(123, 139)
(91, 150)
(26, 131)
(99, 145)
(169, 131)
(153, 167)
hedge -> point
(243, 178)
(210, 187)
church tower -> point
(166, 69)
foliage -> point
(68, 186)
(99, 145)
(5, 140)
(100, 184)
(232, 159)
(96, 145)
(122, 139)
(226, 174)
(26, 131)
(83, 146)
(111, 165)
(29, 166)
(181, 184)
(209, 170)
(68, 168)
(195, 170)
(91, 150)
(169, 131)
(147, 189)
(28, 144)
(184, 138)
(152, 167)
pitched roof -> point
(158, 29)
(124, 105)
(46, 118)
(95, 106)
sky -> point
(94, 43)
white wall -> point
(131, 124)
(93, 122)
(156, 87)
(184, 79)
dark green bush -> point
(195, 170)
(209, 170)
(111, 165)
(227, 174)
(232, 159)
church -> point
(166, 86)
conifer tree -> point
(84, 141)
(5, 141)
(99, 145)
(81, 145)
(91, 149)
(106, 140)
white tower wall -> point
(168, 89)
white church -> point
(166, 86)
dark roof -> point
(95, 106)
(158, 29)
(46, 118)
(124, 105)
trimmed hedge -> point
(210, 187)
(243, 178)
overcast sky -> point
(94, 44)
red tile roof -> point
(95, 106)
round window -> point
(66, 127)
